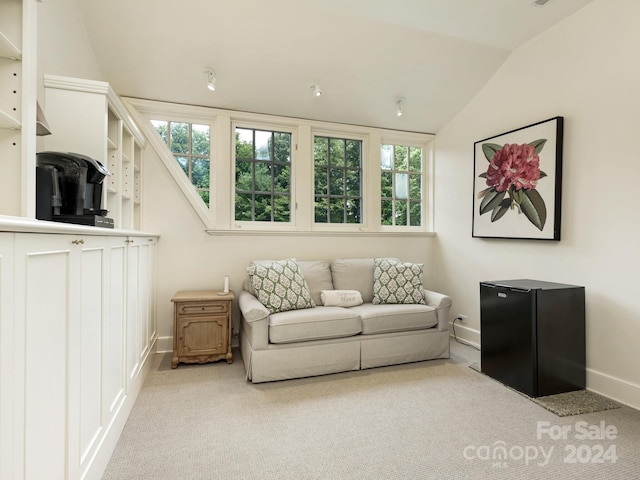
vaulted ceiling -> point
(364, 54)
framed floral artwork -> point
(517, 183)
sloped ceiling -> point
(364, 54)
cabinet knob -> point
(78, 242)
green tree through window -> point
(190, 145)
(263, 175)
(337, 180)
(401, 185)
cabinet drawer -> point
(194, 308)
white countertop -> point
(31, 225)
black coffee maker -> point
(69, 189)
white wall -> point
(63, 46)
(189, 258)
(585, 69)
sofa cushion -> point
(397, 282)
(317, 274)
(395, 317)
(313, 324)
(280, 286)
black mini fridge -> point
(532, 335)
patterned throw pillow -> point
(280, 286)
(397, 282)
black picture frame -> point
(517, 183)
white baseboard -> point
(164, 344)
(465, 334)
(616, 389)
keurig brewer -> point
(69, 189)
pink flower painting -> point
(512, 177)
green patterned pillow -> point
(280, 286)
(397, 282)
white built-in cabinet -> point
(77, 325)
(18, 65)
(87, 117)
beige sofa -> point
(331, 339)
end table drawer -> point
(202, 308)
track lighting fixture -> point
(210, 76)
(315, 90)
(399, 107)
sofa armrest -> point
(255, 320)
(442, 303)
(251, 308)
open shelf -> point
(9, 121)
(8, 49)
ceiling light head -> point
(210, 76)
(400, 106)
(315, 91)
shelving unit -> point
(17, 93)
(75, 105)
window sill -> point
(315, 233)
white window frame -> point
(220, 219)
(364, 183)
(263, 226)
(426, 189)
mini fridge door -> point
(508, 336)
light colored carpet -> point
(428, 420)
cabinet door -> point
(42, 303)
(140, 313)
(202, 335)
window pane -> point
(415, 161)
(401, 212)
(200, 140)
(184, 164)
(353, 183)
(320, 151)
(204, 194)
(162, 128)
(415, 187)
(386, 217)
(244, 176)
(282, 147)
(386, 157)
(353, 153)
(336, 181)
(263, 177)
(353, 211)
(402, 186)
(179, 141)
(336, 210)
(200, 172)
(263, 145)
(336, 152)
(243, 206)
(281, 178)
(401, 158)
(320, 209)
(415, 217)
(282, 209)
(262, 208)
(244, 144)
(386, 185)
(320, 180)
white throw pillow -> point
(280, 286)
(396, 282)
(341, 298)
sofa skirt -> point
(281, 362)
